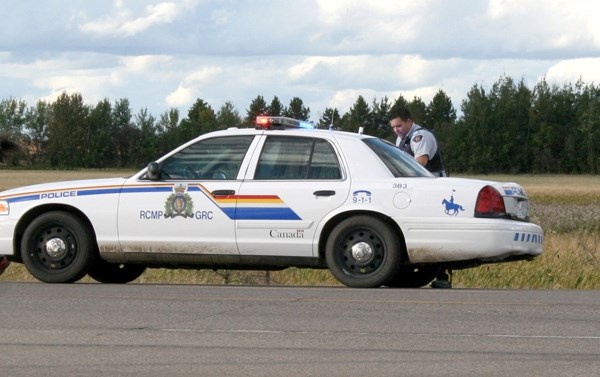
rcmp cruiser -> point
(281, 195)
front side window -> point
(288, 157)
(218, 158)
(400, 163)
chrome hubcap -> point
(362, 252)
(56, 248)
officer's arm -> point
(421, 145)
(423, 160)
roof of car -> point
(292, 131)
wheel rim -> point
(361, 252)
(55, 248)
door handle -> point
(223, 192)
(324, 193)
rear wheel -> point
(115, 273)
(363, 252)
(413, 276)
(58, 248)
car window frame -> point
(308, 176)
(203, 174)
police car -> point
(280, 195)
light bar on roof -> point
(278, 122)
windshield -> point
(400, 163)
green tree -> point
(126, 135)
(400, 102)
(99, 136)
(543, 136)
(276, 108)
(12, 124)
(36, 132)
(565, 121)
(508, 122)
(201, 119)
(358, 116)
(297, 110)
(12, 117)
(148, 146)
(555, 122)
(472, 150)
(588, 110)
(440, 111)
(228, 116)
(258, 106)
(167, 129)
(67, 124)
(440, 119)
(418, 111)
(378, 123)
(329, 119)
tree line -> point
(509, 128)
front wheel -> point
(363, 252)
(58, 248)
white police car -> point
(270, 198)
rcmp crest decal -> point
(179, 203)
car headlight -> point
(4, 207)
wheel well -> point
(343, 216)
(30, 215)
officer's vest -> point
(435, 164)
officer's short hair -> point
(399, 112)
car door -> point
(296, 182)
(189, 209)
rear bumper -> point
(482, 240)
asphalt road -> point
(161, 330)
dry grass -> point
(567, 207)
(568, 262)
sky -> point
(163, 54)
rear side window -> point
(400, 163)
(288, 157)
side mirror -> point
(153, 171)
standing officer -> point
(422, 145)
(417, 141)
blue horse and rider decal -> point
(452, 209)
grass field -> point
(567, 207)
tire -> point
(115, 273)
(413, 276)
(363, 252)
(58, 248)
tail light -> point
(489, 203)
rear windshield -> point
(400, 163)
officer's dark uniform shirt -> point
(420, 142)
